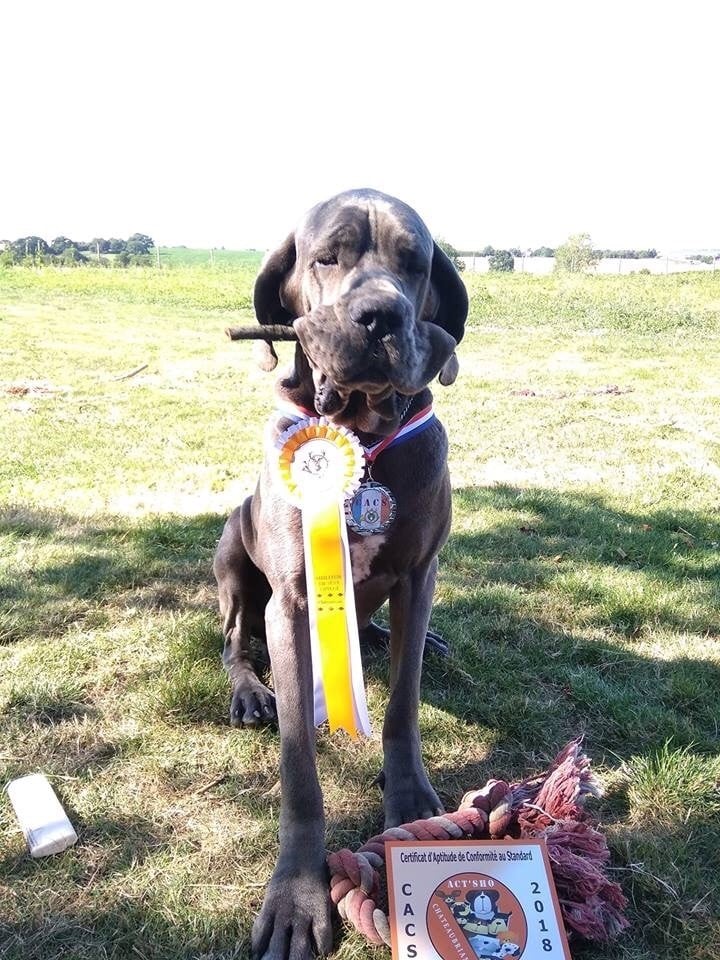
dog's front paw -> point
(408, 796)
(294, 923)
(252, 703)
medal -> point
(371, 509)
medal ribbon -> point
(415, 424)
(339, 691)
(335, 643)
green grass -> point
(186, 256)
(580, 591)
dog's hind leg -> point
(374, 635)
(243, 593)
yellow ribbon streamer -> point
(326, 583)
(318, 465)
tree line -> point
(575, 255)
(66, 252)
(650, 254)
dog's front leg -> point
(408, 794)
(294, 922)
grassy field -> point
(188, 257)
(580, 592)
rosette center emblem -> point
(318, 458)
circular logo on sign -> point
(476, 916)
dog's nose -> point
(379, 319)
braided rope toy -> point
(549, 807)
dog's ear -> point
(264, 354)
(449, 371)
(275, 296)
(447, 301)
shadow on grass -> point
(85, 918)
(72, 567)
(34, 707)
(547, 599)
(150, 929)
(553, 604)
(623, 562)
(121, 842)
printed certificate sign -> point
(473, 899)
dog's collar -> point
(416, 424)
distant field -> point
(186, 257)
(580, 592)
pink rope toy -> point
(549, 807)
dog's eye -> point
(412, 262)
(326, 260)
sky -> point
(219, 123)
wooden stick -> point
(267, 332)
(126, 376)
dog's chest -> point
(362, 553)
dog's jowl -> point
(378, 310)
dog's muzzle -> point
(379, 315)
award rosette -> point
(318, 466)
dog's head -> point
(377, 306)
